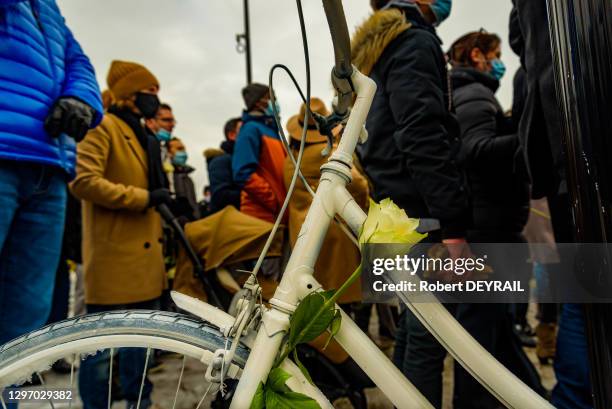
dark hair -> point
(460, 51)
(163, 105)
(253, 93)
(230, 126)
(173, 139)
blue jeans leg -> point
(93, 380)
(93, 374)
(573, 389)
(131, 365)
(32, 212)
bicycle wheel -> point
(89, 334)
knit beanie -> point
(252, 93)
(127, 78)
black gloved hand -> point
(159, 196)
(69, 116)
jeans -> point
(573, 389)
(61, 293)
(32, 212)
(93, 374)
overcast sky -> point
(190, 46)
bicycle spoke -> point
(74, 360)
(110, 379)
(144, 376)
(178, 387)
(205, 395)
(2, 400)
(42, 382)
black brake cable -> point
(270, 239)
(281, 132)
(297, 162)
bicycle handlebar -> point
(340, 37)
(343, 70)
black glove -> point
(69, 116)
(159, 196)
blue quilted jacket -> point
(40, 61)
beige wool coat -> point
(339, 257)
(122, 237)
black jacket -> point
(499, 191)
(224, 191)
(409, 153)
(540, 127)
(519, 95)
(186, 203)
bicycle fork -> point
(297, 282)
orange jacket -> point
(257, 166)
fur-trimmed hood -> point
(374, 35)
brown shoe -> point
(547, 342)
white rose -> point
(387, 223)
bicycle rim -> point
(89, 334)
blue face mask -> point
(180, 158)
(270, 110)
(441, 9)
(498, 69)
(163, 136)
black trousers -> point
(421, 358)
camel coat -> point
(339, 257)
(122, 250)
(222, 239)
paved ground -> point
(193, 386)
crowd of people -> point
(83, 174)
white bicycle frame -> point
(297, 282)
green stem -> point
(350, 281)
(332, 300)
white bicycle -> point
(245, 346)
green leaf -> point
(273, 401)
(327, 294)
(310, 319)
(334, 327)
(289, 400)
(277, 379)
(259, 398)
(300, 365)
(296, 400)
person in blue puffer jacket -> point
(49, 99)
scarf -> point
(156, 176)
